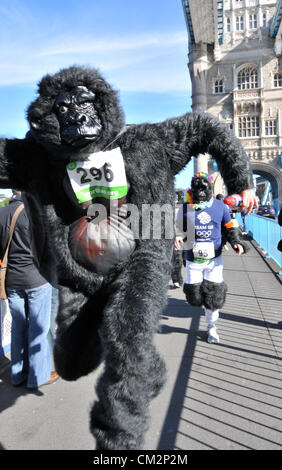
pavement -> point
(217, 397)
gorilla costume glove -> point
(232, 234)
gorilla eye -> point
(63, 109)
(85, 104)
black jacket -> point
(22, 272)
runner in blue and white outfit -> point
(200, 222)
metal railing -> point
(266, 232)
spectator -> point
(220, 197)
(176, 274)
(29, 298)
(279, 219)
(54, 311)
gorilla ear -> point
(35, 124)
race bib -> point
(203, 251)
(101, 175)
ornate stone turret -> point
(235, 66)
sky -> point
(140, 47)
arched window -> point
(218, 86)
(239, 23)
(248, 126)
(253, 24)
(248, 78)
(270, 127)
(277, 79)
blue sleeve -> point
(226, 214)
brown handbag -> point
(4, 262)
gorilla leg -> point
(177, 263)
(134, 372)
(78, 348)
(193, 294)
(213, 294)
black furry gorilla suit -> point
(109, 316)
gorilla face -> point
(201, 189)
(77, 116)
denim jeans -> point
(54, 310)
(31, 358)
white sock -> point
(211, 317)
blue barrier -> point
(266, 232)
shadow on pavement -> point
(8, 393)
(170, 427)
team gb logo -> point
(204, 218)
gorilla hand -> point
(238, 248)
(249, 201)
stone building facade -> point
(235, 66)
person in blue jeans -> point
(29, 298)
(54, 311)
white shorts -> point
(210, 270)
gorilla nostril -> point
(77, 119)
(81, 118)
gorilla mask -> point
(76, 113)
(77, 116)
(201, 187)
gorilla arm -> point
(233, 235)
(192, 134)
(14, 167)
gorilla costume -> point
(112, 291)
(206, 222)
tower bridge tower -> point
(235, 65)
